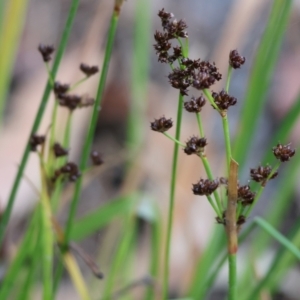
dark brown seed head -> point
(69, 101)
(245, 195)
(59, 88)
(96, 158)
(35, 141)
(195, 145)
(89, 70)
(223, 100)
(241, 220)
(71, 169)
(46, 51)
(283, 152)
(59, 150)
(261, 174)
(205, 187)
(195, 105)
(236, 60)
(162, 124)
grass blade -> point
(264, 64)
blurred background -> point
(214, 27)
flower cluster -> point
(96, 158)
(59, 151)
(205, 187)
(198, 74)
(195, 104)
(262, 174)
(245, 195)
(46, 51)
(70, 169)
(235, 59)
(89, 70)
(60, 88)
(223, 100)
(35, 141)
(283, 152)
(195, 145)
(162, 124)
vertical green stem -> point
(39, 115)
(227, 139)
(92, 127)
(172, 199)
(229, 73)
(232, 276)
(67, 135)
(200, 125)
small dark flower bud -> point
(205, 187)
(241, 220)
(72, 170)
(223, 100)
(35, 141)
(195, 105)
(46, 51)
(96, 158)
(245, 195)
(283, 152)
(195, 145)
(59, 88)
(69, 101)
(89, 70)
(59, 150)
(236, 60)
(261, 174)
(161, 124)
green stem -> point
(229, 73)
(38, 118)
(210, 176)
(67, 135)
(200, 125)
(216, 209)
(172, 199)
(92, 127)
(210, 98)
(174, 140)
(232, 277)
(227, 139)
(75, 85)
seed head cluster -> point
(245, 195)
(96, 158)
(223, 100)
(261, 174)
(88, 70)
(205, 187)
(162, 124)
(195, 104)
(235, 59)
(195, 145)
(60, 88)
(59, 151)
(46, 52)
(35, 141)
(70, 170)
(283, 152)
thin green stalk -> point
(172, 199)
(92, 127)
(38, 118)
(79, 82)
(210, 98)
(211, 177)
(200, 125)
(174, 140)
(216, 209)
(8, 282)
(229, 73)
(232, 277)
(227, 139)
(67, 135)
